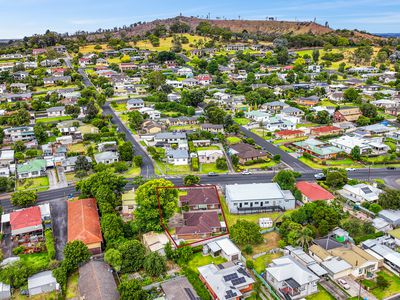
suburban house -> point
(391, 216)
(133, 104)
(246, 152)
(177, 157)
(107, 157)
(307, 101)
(275, 106)
(199, 225)
(56, 111)
(179, 288)
(247, 198)
(326, 130)
(226, 281)
(96, 281)
(155, 242)
(319, 149)
(291, 279)
(150, 112)
(181, 121)
(289, 134)
(69, 163)
(84, 224)
(6, 157)
(200, 198)
(292, 112)
(41, 283)
(360, 193)
(209, 156)
(169, 137)
(151, 127)
(224, 247)
(213, 128)
(361, 262)
(348, 114)
(381, 249)
(25, 221)
(366, 145)
(32, 168)
(55, 79)
(312, 191)
(23, 133)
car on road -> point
(344, 283)
(246, 172)
(350, 169)
(391, 168)
(212, 174)
(319, 176)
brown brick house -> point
(347, 114)
(289, 134)
(246, 152)
(326, 130)
(200, 198)
(199, 225)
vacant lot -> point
(35, 184)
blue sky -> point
(19, 18)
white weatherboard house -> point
(243, 198)
(43, 282)
(360, 192)
(224, 247)
(291, 279)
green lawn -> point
(344, 163)
(303, 138)
(169, 169)
(208, 148)
(87, 128)
(38, 184)
(241, 121)
(321, 295)
(54, 119)
(265, 134)
(119, 107)
(261, 262)
(72, 286)
(261, 166)
(36, 260)
(327, 103)
(183, 127)
(52, 88)
(207, 168)
(286, 149)
(199, 260)
(132, 172)
(233, 140)
(392, 289)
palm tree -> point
(305, 237)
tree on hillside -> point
(315, 55)
(82, 164)
(336, 178)
(389, 199)
(246, 233)
(135, 119)
(23, 198)
(155, 80)
(351, 95)
(355, 153)
(125, 151)
(147, 196)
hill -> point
(264, 27)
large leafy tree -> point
(23, 198)
(75, 253)
(114, 258)
(112, 227)
(89, 186)
(390, 199)
(154, 264)
(286, 179)
(132, 289)
(132, 253)
(147, 196)
(246, 233)
(126, 151)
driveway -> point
(6, 244)
(51, 174)
(60, 219)
(334, 290)
(355, 289)
(62, 179)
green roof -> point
(318, 147)
(35, 165)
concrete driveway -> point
(355, 289)
(60, 220)
(334, 290)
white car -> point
(319, 176)
(350, 169)
(344, 284)
(246, 172)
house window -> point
(246, 203)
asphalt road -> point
(285, 157)
(147, 169)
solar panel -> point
(230, 276)
(243, 272)
(238, 281)
(230, 294)
(190, 294)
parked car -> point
(246, 172)
(350, 169)
(212, 174)
(319, 176)
(391, 168)
(344, 283)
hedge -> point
(195, 164)
(197, 284)
(51, 250)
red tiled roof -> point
(204, 195)
(27, 217)
(325, 129)
(83, 221)
(199, 222)
(289, 132)
(313, 191)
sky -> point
(19, 18)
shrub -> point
(18, 250)
(51, 250)
(250, 264)
(195, 164)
